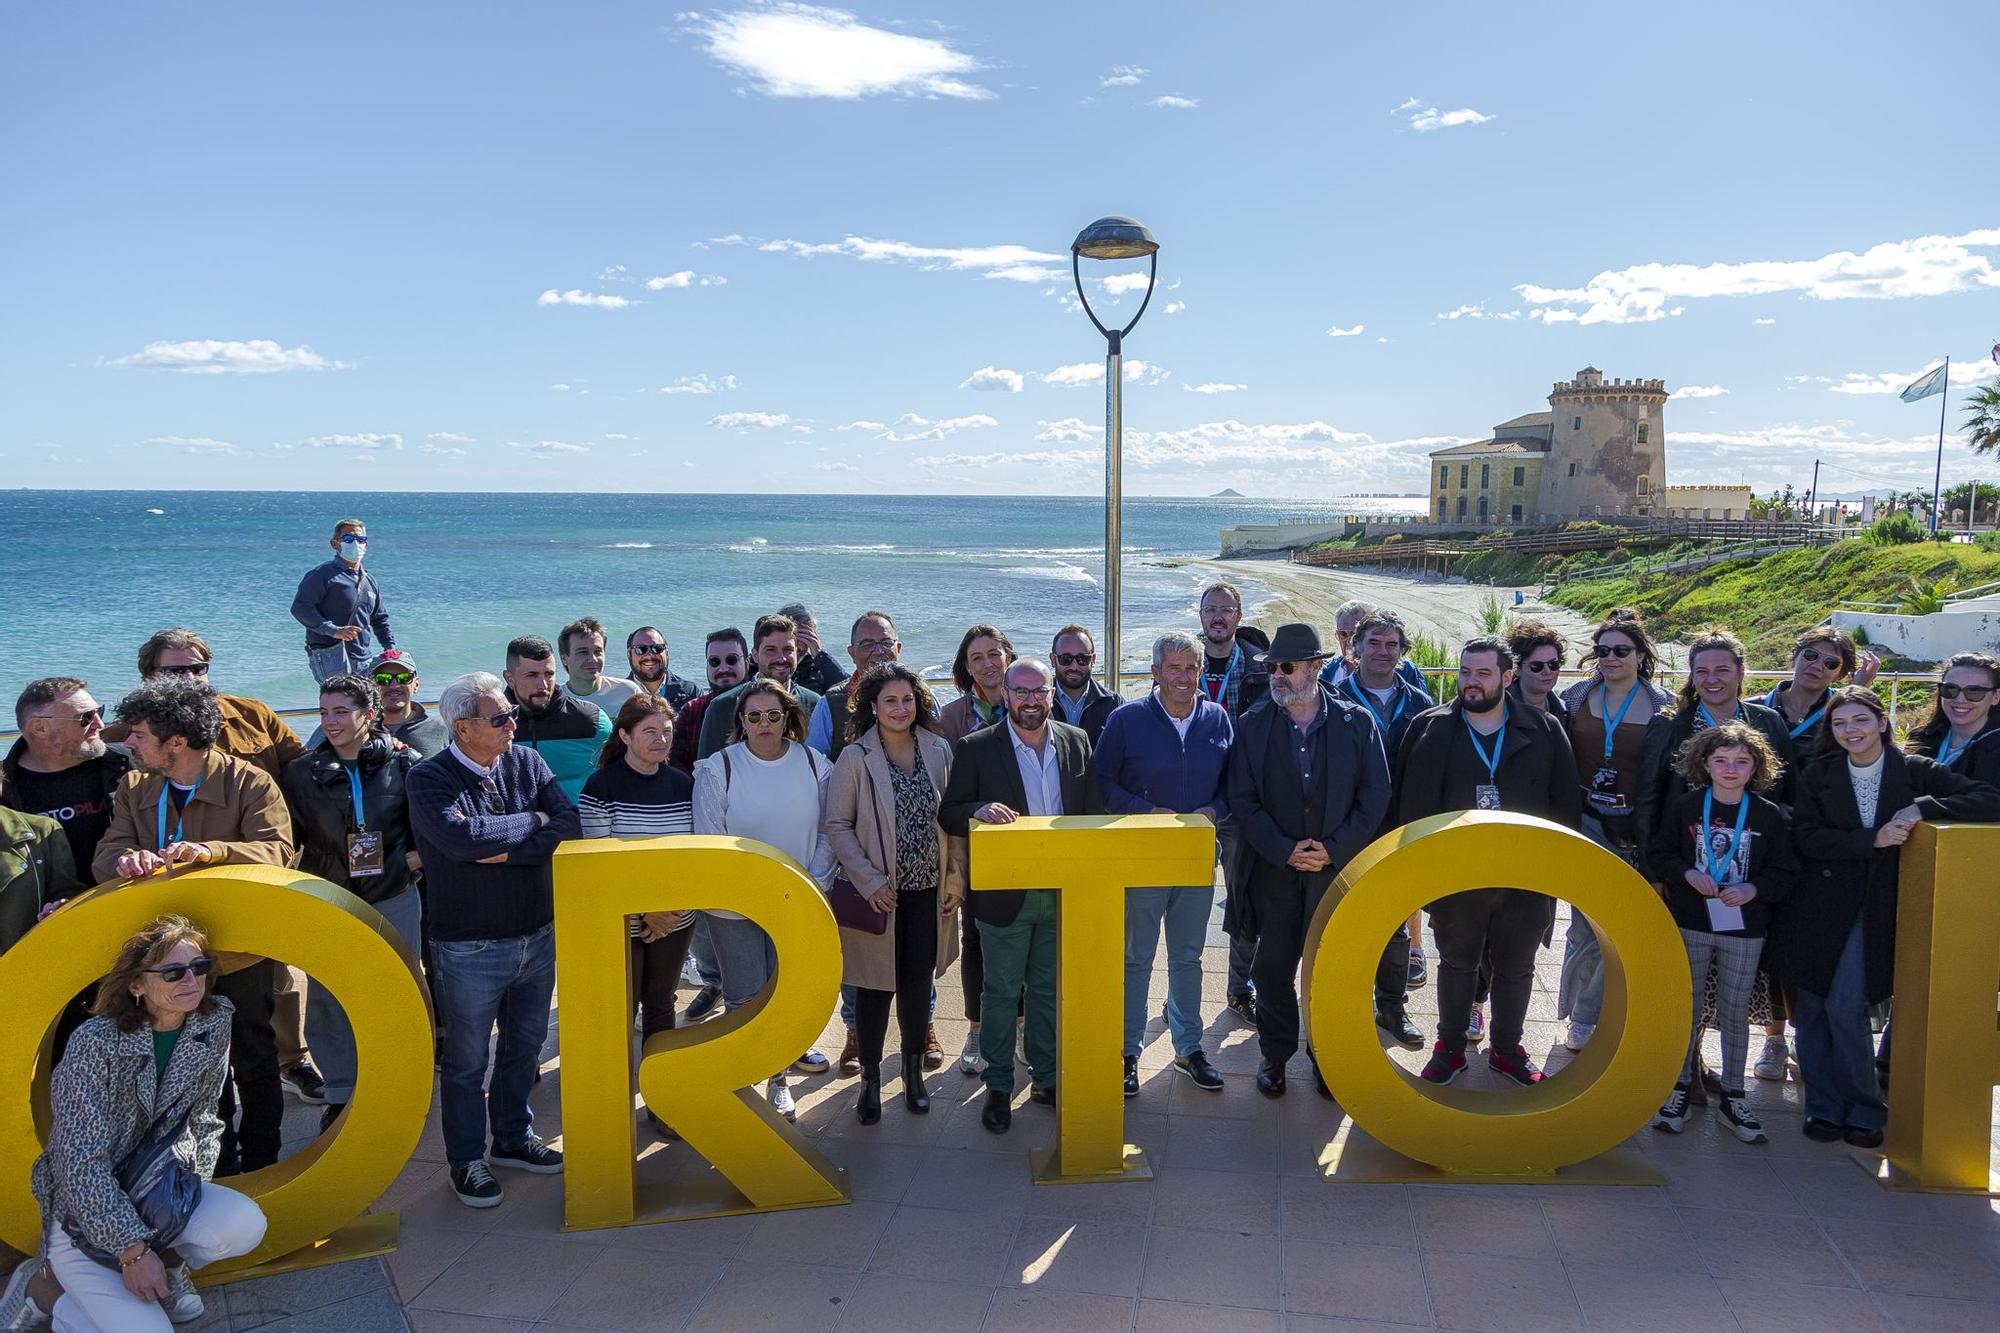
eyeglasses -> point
(876, 645)
(1075, 659)
(394, 677)
(188, 669)
(505, 718)
(1290, 668)
(1228, 609)
(1620, 651)
(353, 539)
(173, 972)
(649, 649)
(1543, 668)
(1969, 693)
(772, 715)
(1027, 691)
(734, 659)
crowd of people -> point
(1769, 827)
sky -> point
(788, 248)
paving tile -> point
(1741, 1182)
(1839, 1191)
(971, 1181)
(1921, 1261)
(1174, 1317)
(445, 1321)
(1764, 1306)
(422, 1253)
(1105, 1201)
(1607, 1230)
(874, 1170)
(1362, 1281)
(636, 1291)
(1749, 1246)
(508, 1276)
(1211, 1268)
(370, 1312)
(1062, 1254)
(971, 1247)
(716, 1237)
(881, 1301)
(752, 1294)
(268, 1300)
(1019, 1311)
(1312, 1209)
(832, 1237)
(1480, 1293)
(1627, 1298)
(1218, 1144)
(1471, 1220)
(1243, 1202)
(1932, 1314)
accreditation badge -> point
(1486, 796)
(364, 854)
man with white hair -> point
(487, 814)
(1168, 754)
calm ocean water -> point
(87, 575)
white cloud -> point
(1215, 388)
(1893, 270)
(700, 385)
(368, 440)
(733, 238)
(1080, 373)
(1313, 448)
(1773, 455)
(442, 451)
(601, 300)
(1069, 430)
(447, 437)
(1337, 332)
(911, 427)
(750, 420)
(548, 448)
(1175, 307)
(614, 435)
(797, 50)
(687, 277)
(209, 356)
(1698, 391)
(1068, 459)
(1123, 76)
(1382, 339)
(195, 444)
(1973, 370)
(833, 467)
(1173, 103)
(1763, 321)
(993, 379)
(1478, 312)
(1423, 119)
(559, 388)
(1015, 263)
(1120, 283)
(864, 425)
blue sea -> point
(87, 575)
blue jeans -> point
(1184, 913)
(1580, 996)
(744, 955)
(336, 659)
(703, 953)
(328, 1032)
(1836, 1047)
(477, 983)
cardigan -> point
(458, 819)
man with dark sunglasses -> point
(1080, 700)
(727, 657)
(395, 676)
(339, 603)
(60, 767)
(647, 656)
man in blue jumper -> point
(487, 814)
(340, 604)
(1168, 754)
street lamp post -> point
(1113, 238)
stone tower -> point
(1607, 447)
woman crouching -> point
(128, 1207)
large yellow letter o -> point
(1615, 1083)
(340, 941)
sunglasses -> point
(772, 715)
(649, 649)
(1618, 650)
(506, 718)
(1816, 655)
(1969, 693)
(1075, 659)
(734, 659)
(1292, 668)
(394, 677)
(191, 669)
(1544, 668)
(83, 718)
(352, 539)
(174, 972)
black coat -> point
(1847, 877)
(321, 801)
(1394, 721)
(983, 769)
(1662, 784)
(819, 672)
(1979, 760)
(1536, 774)
(1273, 813)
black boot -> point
(915, 1095)
(869, 1109)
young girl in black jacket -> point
(1725, 855)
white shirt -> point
(1041, 778)
(483, 771)
(1867, 788)
(612, 692)
(1181, 724)
(777, 801)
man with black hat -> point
(1308, 786)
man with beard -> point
(395, 675)
(1484, 751)
(1308, 786)
(1232, 676)
(60, 767)
(871, 640)
(1026, 765)
(728, 662)
(566, 732)
(1082, 701)
(646, 654)
(774, 652)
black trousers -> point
(1392, 974)
(1285, 908)
(656, 976)
(252, 1087)
(916, 932)
(971, 964)
(1504, 927)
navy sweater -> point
(457, 820)
(1143, 764)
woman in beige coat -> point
(881, 818)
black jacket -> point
(1847, 877)
(1979, 760)
(819, 672)
(983, 769)
(1767, 858)
(1273, 812)
(1394, 721)
(1661, 784)
(1536, 774)
(321, 800)
(1097, 705)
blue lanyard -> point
(1611, 723)
(1221, 695)
(1946, 752)
(1359, 693)
(354, 785)
(1491, 761)
(1771, 701)
(1709, 717)
(1718, 869)
(180, 819)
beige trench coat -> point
(856, 833)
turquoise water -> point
(85, 576)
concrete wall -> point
(1926, 638)
(1605, 451)
(1253, 537)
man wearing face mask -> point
(339, 603)
(728, 662)
(567, 732)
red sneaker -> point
(1514, 1064)
(1444, 1066)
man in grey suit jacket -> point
(1028, 765)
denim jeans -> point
(1836, 1046)
(478, 983)
(1580, 996)
(336, 659)
(744, 955)
(1184, 913)
(328, 1032)
(702, 950)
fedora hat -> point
(1294, 643)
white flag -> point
(1926, 387)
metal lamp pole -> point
(1113, 238)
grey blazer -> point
(104, 1097)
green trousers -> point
(1020, 954)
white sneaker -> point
(1771, 1064)
(16, 1309)
(1578, 1035)
(781, 1099)
(183, 1304)
(970, 1060)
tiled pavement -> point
(1235, 1232)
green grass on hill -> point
(1767, 601)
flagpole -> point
(1937, 480)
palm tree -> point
(1982, 419)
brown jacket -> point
(253, 732)
(857, 833)
(237, 811)
(957, 720)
